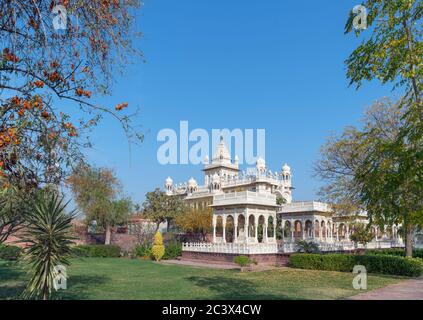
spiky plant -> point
(307, 246)
(48, 238)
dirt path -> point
(405, 290)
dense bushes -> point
(417, 253)
(97, 251)
(384, 264)
(330, 262)
(9, 252)
(143, 251)
(173, 250)
(242, 261)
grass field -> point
(96, 278)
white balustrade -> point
(231, 248)
(286, 247)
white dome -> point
(286, 168)
(206, 160)
(261, 164)
(192, 182)
(169, 181)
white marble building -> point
(249, 206)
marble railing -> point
(231, 248)
(244, 197)
(286, 247)
(290, 247)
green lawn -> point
(96, 278)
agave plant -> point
(48, 239)
(307, 246)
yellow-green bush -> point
(158, 247)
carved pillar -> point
(214, 229)
(224, 229)
(275, 222)
(247, 229)
(236, 231)
(265, 239)
(255, 229)
(337, 232)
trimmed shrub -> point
(329, 262)
(383, 264)
(417, 253)
(143, 251)
(158, 247)
(97, 251)
(242, 261)
(172, 251)
(388, 264)
(10, 253)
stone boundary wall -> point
(279, 259)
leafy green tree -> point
(280, 200)
(361, 234)
(391, 177)
(96, 193)
(160, 207)
(364, 169)
(393, 51)
(14, 204)
(49, 239)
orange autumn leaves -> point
(8, 136)
(71, 129)
(22, 105)
(81, 92)
(121, 106)
(39, 84)
(8, 56)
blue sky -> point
(272, 64)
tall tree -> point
(96, 192)
(393, 52)
(55, 58)
(197, 221)
(160, 207)
(364, 171)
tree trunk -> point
(45, 292)
(409, 235)
(108, 234)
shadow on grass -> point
(78, 287)
(230, 289)
(12, 280)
